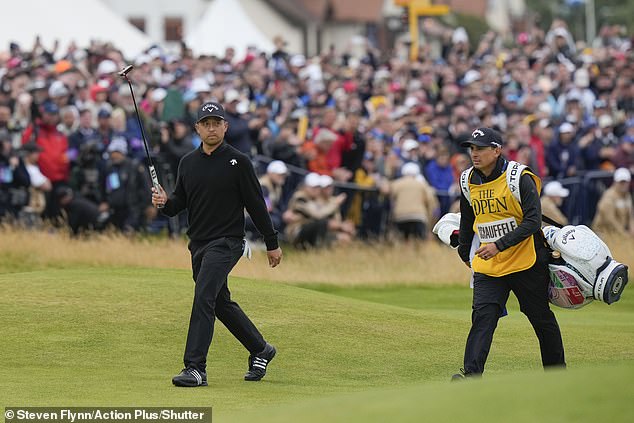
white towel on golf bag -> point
(585, 272)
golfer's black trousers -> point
(489, 299)
(211, 263)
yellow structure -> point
(418, 8)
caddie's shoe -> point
(460, 376)
(259, 362)
(190, 378)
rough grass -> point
(428, 263)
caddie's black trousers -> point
(211, 263)
(489, 299)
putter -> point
(155, 182)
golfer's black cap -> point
(211, 109)
(484, 137)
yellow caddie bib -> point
(498, 212)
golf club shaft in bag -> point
(153, 175)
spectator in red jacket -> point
(53, 160)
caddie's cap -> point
(484, 137)
(211, 109)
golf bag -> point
(586, 270)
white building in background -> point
(168, 21)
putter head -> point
(124, 72)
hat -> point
(200, 85)
(232, 95)
(118, 144)
(99, 87)
(555, 189)
(566, 128)
(325, 181)
(106, 66)
(278, 167)
(472, 75)
(50, 107)
(484, 137)
(312, 180)
(410, 169)
(545, 107)
(58, 89)
(211, 109)
(297, 60)
(622, 175)
(38, 84)
(104, 113)
(459, 36)
(158, 94)
(63, 66)
(31, 147)
(605, 121)
(142, 59)
(410, 144)
(582, 78)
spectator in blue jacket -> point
(563, 153)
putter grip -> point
(155, 183)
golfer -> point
(215, 183)
(512, 255)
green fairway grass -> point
(115, 336)
(519, 398)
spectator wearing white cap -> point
(552, 199)
(272, 183)
(239, 134)
(273, 186)
(59, 93)
(343, 230)
(125, 188)
(413, 203)
(598, 146)
(563, 153)
(310, 222)
(614, 211)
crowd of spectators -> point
(355, 142)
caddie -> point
(512, 256)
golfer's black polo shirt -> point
(215, 189)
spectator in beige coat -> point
(413, 203)
(614, 211)
(552, 198)
(311, 221)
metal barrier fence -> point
(579, 207)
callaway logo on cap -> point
(210, 109)
(484, 137)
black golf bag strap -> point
(551, 221)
